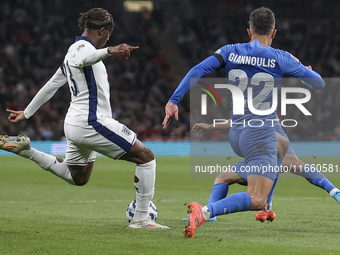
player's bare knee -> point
(150, 154)
(81, 174)
(80, 182)
(147, 155)
(219, 180)
(228, 177)
(223, 180)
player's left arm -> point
(293, 67)
(312, 79)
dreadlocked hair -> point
(96, 16)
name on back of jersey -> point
(254, 61)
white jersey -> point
(86, 75)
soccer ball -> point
(130, 211)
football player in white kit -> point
(89, 126)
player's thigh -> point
(258, 143)
(234, 138)
(110, 138)
(76, 153)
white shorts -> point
(107, 136)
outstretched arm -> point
(207, 66)
(44, 94)
(312, 79)
(291, 66)
(86, 56)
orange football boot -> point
(195, 219)
(263, 215)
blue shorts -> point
(239, 169)
(258, 147)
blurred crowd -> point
(309, 35)
(35, 36)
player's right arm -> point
(207, 66)
(43, 95)
(87, 56)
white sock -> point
(49, 163)
(333, 190)
(206, 212)
(268, 207)
(145, 177)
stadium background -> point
(41, 214)
(174, 36)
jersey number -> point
(74, 86)
(255, 80)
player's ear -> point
(274, 33)
(249, 31)
(101, 31)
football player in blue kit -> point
(259, 68)
(291, 163)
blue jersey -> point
(261, 68)
(250, 65)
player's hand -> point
(309, 67)
(200, 127)
(15, 116)
(123, 48)
(170, 110)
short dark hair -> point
(262, 21)
(95, 17)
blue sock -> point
(237, 202)
(271, 194)
(218, 192)
(314, 176)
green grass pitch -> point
(41, 214)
